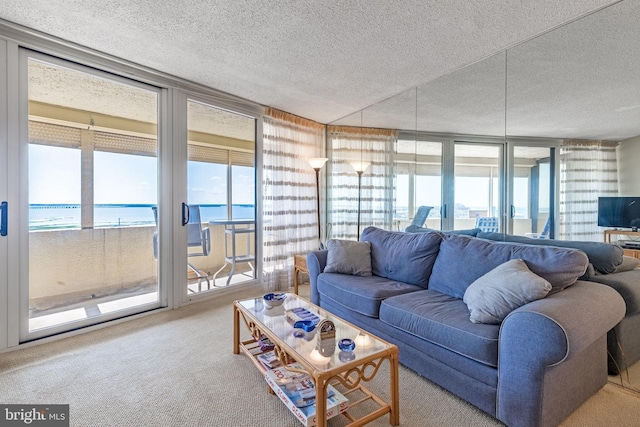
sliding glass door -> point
(89, 159)
(532, 189)
(221, 193)
(418, 184)
(478, 186)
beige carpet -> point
(176, 368)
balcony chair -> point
(197, 237)
(419, 218)
(488, 224)
(544, 234)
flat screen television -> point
(619, 212)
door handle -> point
(444, 211)
(185, 214)
(3, 218)
(513, 211)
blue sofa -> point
(608, 266)
(533, 369)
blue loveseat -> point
(532, 369)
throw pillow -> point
(491, 297)
(348, 257)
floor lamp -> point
(317, 163)
(360, 167)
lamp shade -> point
(317, 162)
(360, 166)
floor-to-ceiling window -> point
(96, 182)
(221, 185)
(91, 173)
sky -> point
(55, 178)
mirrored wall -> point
(488, 142)
(578, 82)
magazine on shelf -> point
(269, 359)
(297, 391)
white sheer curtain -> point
(588, 170)
(289, 193)
(353, 144)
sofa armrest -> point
(316, 261)
(626, 283)
(546, 333)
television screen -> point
(620, 212)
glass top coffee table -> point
(319, 356)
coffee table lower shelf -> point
(347, 378)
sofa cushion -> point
(360, 294)
(405, 257)
(508, 286)
(348, 257)
(605, 257)
(442, 320)
(463, 259)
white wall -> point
(629, 167)
(65, 265)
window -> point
(418, 181)
(54, 187)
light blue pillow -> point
(491, 297)
(348, 257)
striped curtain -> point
(588, 170)
(354, 144)
(289, 193)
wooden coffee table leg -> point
(394, 416)
(321, 402)
(236, 330)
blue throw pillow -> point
(491, 297)
(404, 257)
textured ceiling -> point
(59, 86)
(578, 81)
(320, 60)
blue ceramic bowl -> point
(346, 345)
(273, 300)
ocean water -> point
(51, 217)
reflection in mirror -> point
(360, 179)
(465, 110)
(468, 106)
(579, 81)
(572, 95)
(418, 171)
(477, 181)
(580, 86)
(368, 137)
(468, 102)
(532, 192)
